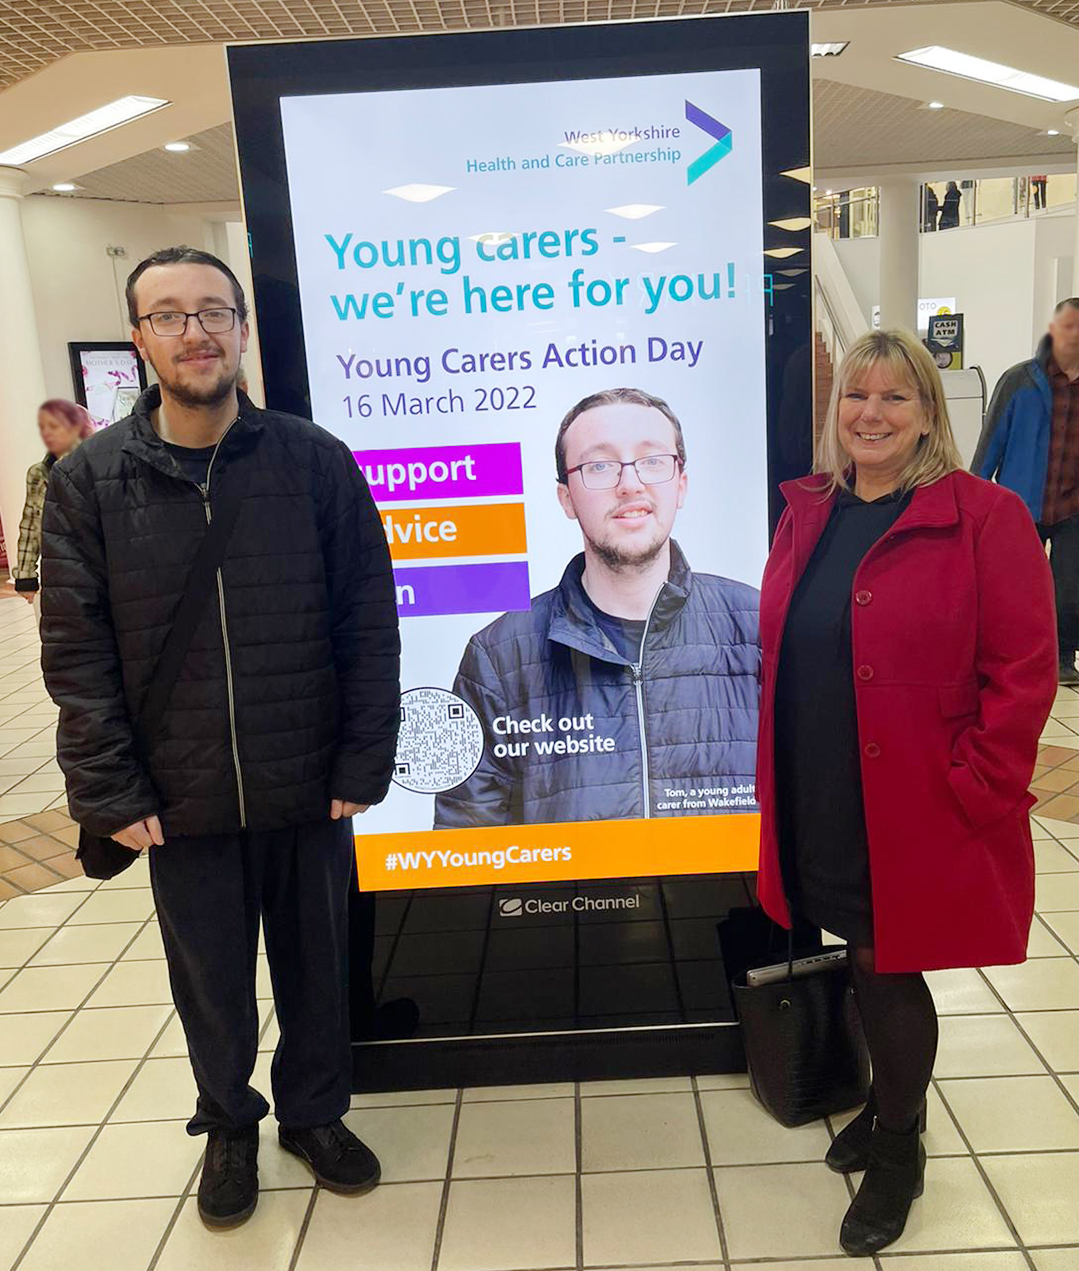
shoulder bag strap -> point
(200, 583)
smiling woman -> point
(909, 660)
(888, 425)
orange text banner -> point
(481, 529)
(559, 852)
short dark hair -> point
(1071, 303)
(181, 256)
(609, 397)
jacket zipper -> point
(204, 490)
(638, 684)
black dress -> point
(823, 843)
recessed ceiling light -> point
(64, 187)
(952, 62)
(121, 111)
(829, 50)
(934, 105)
(827, 193)
(1052, 132)
(177, 147)
(419, 193)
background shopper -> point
(63, 425)
(909, 667)
(282, 724)
(1030, 443)
(949, 207)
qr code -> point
(440, 743)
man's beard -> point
(204, 395)
(622, 560)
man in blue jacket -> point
(630, 689)
(1030, 443)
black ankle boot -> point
(850, 1147)
(894, 1179)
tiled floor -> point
(96, 1170)
(38, 851)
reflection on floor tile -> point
(649, 1131)
(151, 1159)
(648, 1217)
(67, 1094)
(983, 1046)
(267, 1240)
(413, 1144)
(1033, 1189)
(117, 1235)
(398, 1230)
(811, 1199)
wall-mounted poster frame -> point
(425, 211)
(108, 376)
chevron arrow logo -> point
(714, 153)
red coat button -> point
(863, 597)
(872, 751)
(865, 672)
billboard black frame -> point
(776, 44)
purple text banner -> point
(426, 590)
(443, 472)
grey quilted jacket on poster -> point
(307, 601)
(683, 719)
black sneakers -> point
(229, 1187)
(338, 1159)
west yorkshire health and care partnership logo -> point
(720, 148)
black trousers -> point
(211, 893)
(1063, 540)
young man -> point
(282, 724)
(657, 663)
(1030, 443)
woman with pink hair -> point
(63, 426)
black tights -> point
(900, 1022)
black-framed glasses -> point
(171, 322)
(605, 474)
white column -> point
(22, 380)
(900, 217)
(1072, 121)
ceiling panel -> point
(852, 128)
(34, 33)
(206, 174)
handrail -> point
(840, 345)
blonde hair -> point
(904, 355)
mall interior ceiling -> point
(873, 115)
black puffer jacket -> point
(680, 725)
(289, 693)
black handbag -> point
(805, 1049)
(103, 857)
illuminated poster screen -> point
(552, 289)
(502, 254)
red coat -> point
(955, 658)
